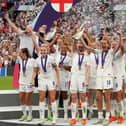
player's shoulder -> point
(75, 54)
(37, 59)
(52, 56)
(111, 51)
(31, 59)
(69, 54)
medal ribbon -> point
(44, 64)
(96, 59)
(103, 57)
(24, 63)
(62, 59)
(80, 60)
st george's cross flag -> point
(61, 6)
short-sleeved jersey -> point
(27, 77)
(118, 68)
(66, 62)
(107, 68)
(49, 68)
(93, 64)
(75, 67)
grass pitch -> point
(6, 83)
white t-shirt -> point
(26, 42)
(49, 68)
(107, 70)
(75, 67)
(29, 70)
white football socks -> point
(73, 110)
(42, 110)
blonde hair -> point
(108, 41)
(67, 39)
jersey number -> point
(108, 82)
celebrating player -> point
(44, 67)
(79, 81)
(25, 85)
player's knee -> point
(52, 98)
(82, 98)
(41, 99)
(22, 99)
(74, 98)
(57, 95)
(98, 98)
(64, 96)
(28, 101)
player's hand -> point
(61, 66)
(31, 33)
(33, 83)
(57, 85)
(86, 30)
(57, 35)
(119, 33)
(86, 83)
(55, 23)
(6, 16)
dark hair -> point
(25, 50)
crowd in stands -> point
(86, 13)
(93, 14)
(9, 39)
(31, 2)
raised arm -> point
(34, 41)
(69, 49)
(42, 39)
(10, 22)
(120, 42)
(87, 47)
(88, 38)
(53, 41)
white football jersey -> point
(75, 67)
(66, 60)
(27, 77)
(105, 69)
(49, 68)
(93, 65)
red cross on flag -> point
(61, 5)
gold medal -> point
(24, 74)
(97, 67)
(79, 67)
(102, 67)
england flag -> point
(61, 5)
